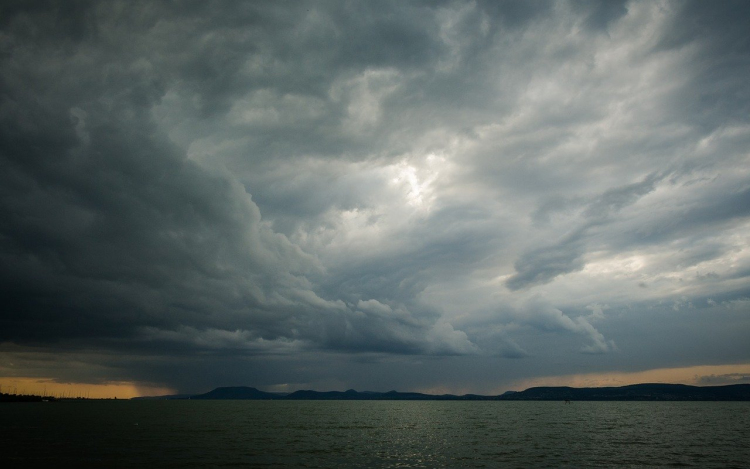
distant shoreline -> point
(656, 392)
(635, 392)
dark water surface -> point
(375, 434)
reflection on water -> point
(376, 433)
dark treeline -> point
(6, 397)
(22, 398)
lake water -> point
(375, 434)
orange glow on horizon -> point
(49, 387)
(691, 375)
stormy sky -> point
(438, 196)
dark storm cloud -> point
(542, 265)
(110, 232)
(265, 187)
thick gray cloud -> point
(256, 190)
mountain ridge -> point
(632, 392)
